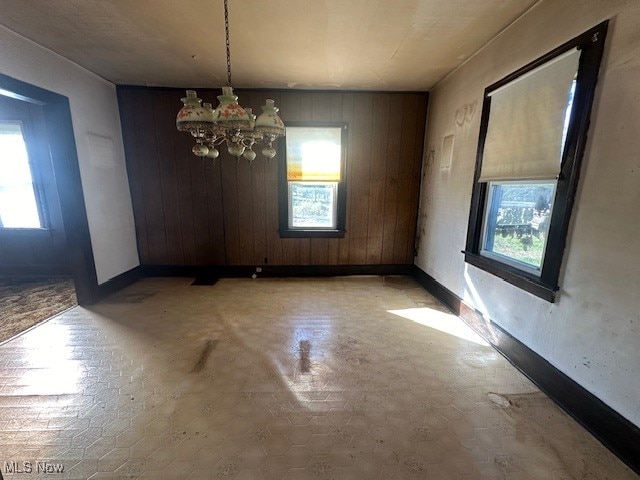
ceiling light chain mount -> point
(229, 123)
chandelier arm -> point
(248, 142)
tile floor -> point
(341, 378)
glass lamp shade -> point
(193, 117)
(269, 152)
(236, 149)
(229, 113)
(209, 109)
(213, 153)
(252, 121)
(229, 123)
(249, 155)
(200, 150)
(269, 123)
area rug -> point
(24, 302)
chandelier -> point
(229, 123)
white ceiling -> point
(320, 44)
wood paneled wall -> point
(190, 211)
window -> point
(516, 223)
(18, 192)
(532, 139)
(312, 195)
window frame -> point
(546, 284)
(36, 176)
(341, 189)
(485, 220)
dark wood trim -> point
(436, 289)
(612, 429)
(592, 46)
(591, 43)
(312, 233)
(64, 159)
(117, 283)
(479, 190)
(584, 40)
(270, 271)
(283, 187)
(512, 275)
(319, 124)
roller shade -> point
(313, 153)
(526, 129)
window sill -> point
(512, 275)
(5, 231)
(312, 233)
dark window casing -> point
(591, 45)
(283, 190)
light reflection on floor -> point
(48, 367)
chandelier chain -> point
(229, 123)
(226, 30)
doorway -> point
(35, 280)
(31, 227)
(44, 228)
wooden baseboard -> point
(113, 285)
(612, 429)
(240, 271)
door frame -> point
(66, 170)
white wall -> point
(94, 109)
(592, 332)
